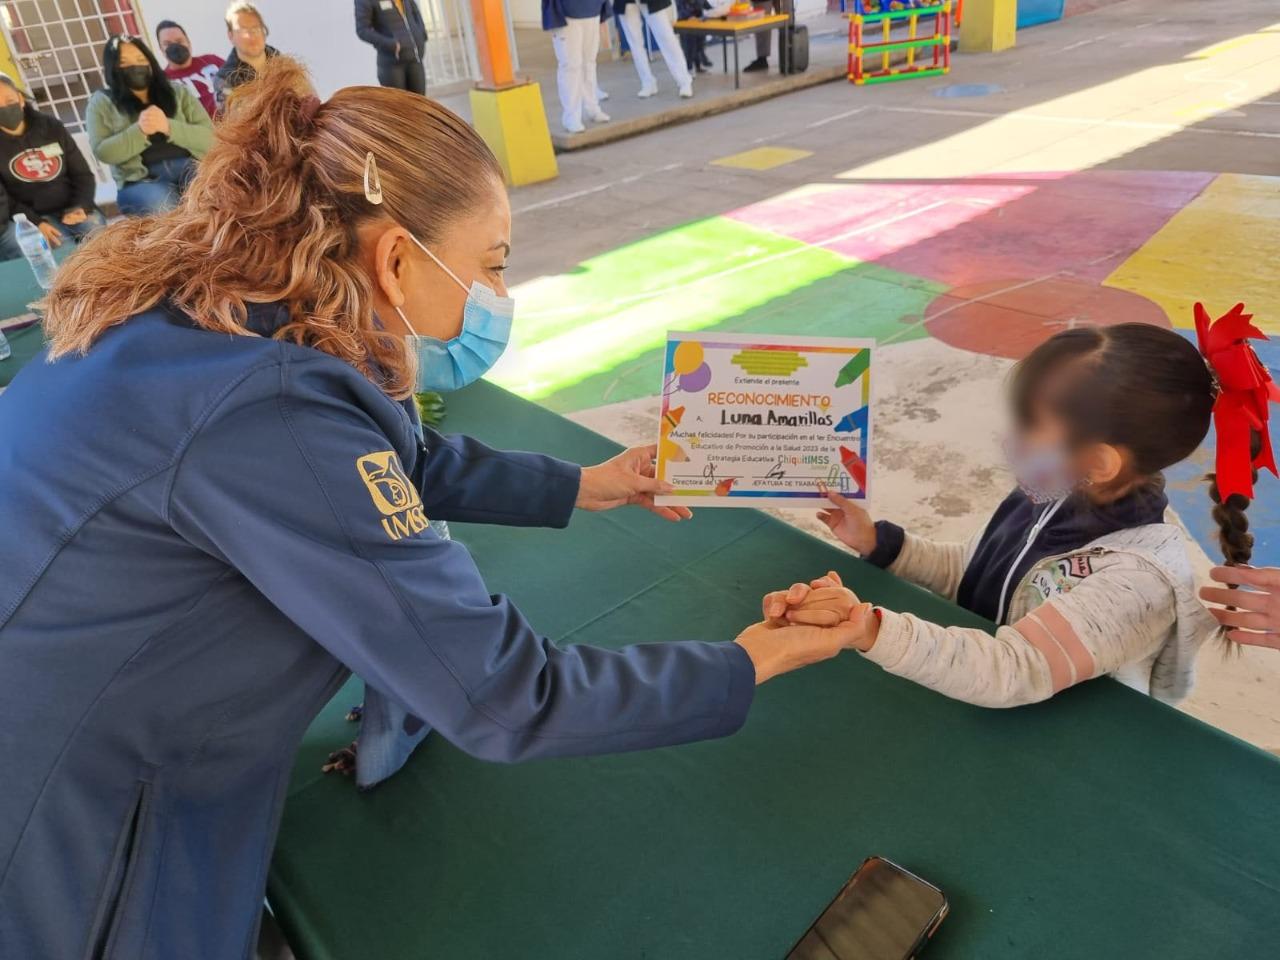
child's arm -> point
(1114, 618)
(933, 564)
(1109, 620)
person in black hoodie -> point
(43, 173)
(396, 30)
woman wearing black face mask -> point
(149, 130)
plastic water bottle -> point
(36, 249)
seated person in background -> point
(1077, 567)
(9, 249)
(149, 129)
(250, 52)
(43, 172)
(196, 72)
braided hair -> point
(1229, 514)
(1233, 527)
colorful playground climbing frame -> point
(922, 56)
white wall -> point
(526, 13)
(321, 33)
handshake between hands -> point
(808, 623)
(802, 625)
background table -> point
(1101, 825)
(728, 30)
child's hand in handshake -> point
(850, 523)
(824, 602)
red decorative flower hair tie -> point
(1245, 389)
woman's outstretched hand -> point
(849, 523)
(776, 648)
(1256, 617)
(627, 479)
(824, 602)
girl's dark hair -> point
(1132, 385)
(160, 92)
(1233, 526)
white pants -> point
(576, 45)
(660, 25)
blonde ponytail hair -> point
(273, 215)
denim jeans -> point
(160, 191)
(9, 249)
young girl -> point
(1077, 567)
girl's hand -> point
(775, 649)
(1256, 617)
(627, 479)
(777, 603)
(850, 523)
(824, 602)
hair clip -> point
(372, 182)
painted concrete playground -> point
(974, 229)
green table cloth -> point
(1099, 825)
(18, 287)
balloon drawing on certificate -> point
(759, 421)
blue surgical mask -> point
(1043, 473)
(445, 365)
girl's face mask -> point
(1043, 471)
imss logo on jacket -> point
(392, 493)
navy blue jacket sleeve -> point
(295, 487)
(889, 540)
(461, 479)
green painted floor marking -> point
(594, 335)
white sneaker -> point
(686, 92)
(574, 128)
(598, 117)
(647, 91)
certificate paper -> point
(764, 421)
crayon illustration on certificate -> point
(764, 421)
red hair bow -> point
(1245, 388)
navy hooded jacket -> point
(202, 535)
(380, 22)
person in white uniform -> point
(658, 17)
(574, 26)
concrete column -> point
(989, 25)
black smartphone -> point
(882, 913)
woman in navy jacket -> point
(396, 30)
(215, 504)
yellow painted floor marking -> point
(1219, 249)
(762, 158)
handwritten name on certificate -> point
(764, 421)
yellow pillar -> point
(507, 112)
(989, 25)
(514, 125)
(6, 61)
